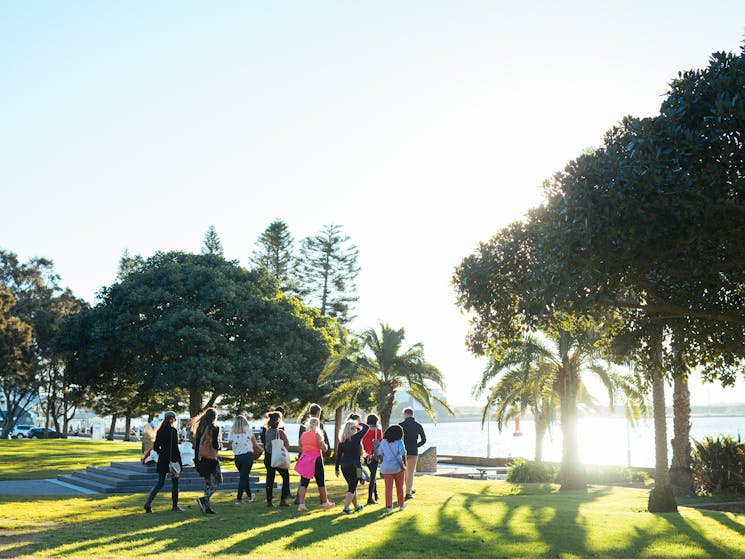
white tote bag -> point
(280, 455)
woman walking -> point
(206, 444)
(166, 445)
(243, 442)
(311, 442)
(392, 455)
(275, 430)
(368, 447)
(348, 454)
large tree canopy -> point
(648, 228)
(650, 224)
(204, 327)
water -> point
(602, 440)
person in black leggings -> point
(348, 454)
(166, 445)
(274, 430)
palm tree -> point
(378, 369)
(545, 375)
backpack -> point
(206, 450)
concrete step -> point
(133, 477)
(117, 474)
(86, 483)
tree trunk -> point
(571, 474)
(386, 410)
(338, 420)
(112, 428)
(681, 476)
(661, 498)
(127, 426)
(195, 401)
(541, 426)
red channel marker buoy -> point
(517, 432)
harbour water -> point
(603, 440)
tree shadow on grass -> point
(168, 533)
(537, 523)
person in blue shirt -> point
(393, 465)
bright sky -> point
(420, 127)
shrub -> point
(522, 471)
(719, 465)
(614, 474)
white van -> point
(21, 431)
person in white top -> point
(243, 442)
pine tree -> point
(275, 252)
(327, 270)
(212, 243)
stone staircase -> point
(133, 477)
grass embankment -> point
(448, 518)
(47, 458)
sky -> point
(421, 128)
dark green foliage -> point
(42, 304)
(212, 243)
(377, 365)
(614, 474)
(16, 362)
(195, 328)
(327, 271)
(523, 471)
(275, 252)
(719, 465)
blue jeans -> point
(244, 463)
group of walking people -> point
(363, 451)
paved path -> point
(40, 487)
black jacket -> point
(166, 445)
(414, 436)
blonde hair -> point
(314, 424)
(350, 428)
(240, 424)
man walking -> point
(414, 437)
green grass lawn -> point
(448, 518)
(46, 458)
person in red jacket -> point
(373, 434)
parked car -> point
(21, 431)
(39, 433)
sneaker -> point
(388, 509)
(302, 508)
(413, 491)
(358, 508)
(345, 510)
(328, 505)
(269, 504)
(251, 498)
(409, 496)
(210, 511)
(403, 506)
(202, 504)
(238, 502)
(372, 502)
(284, 503)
